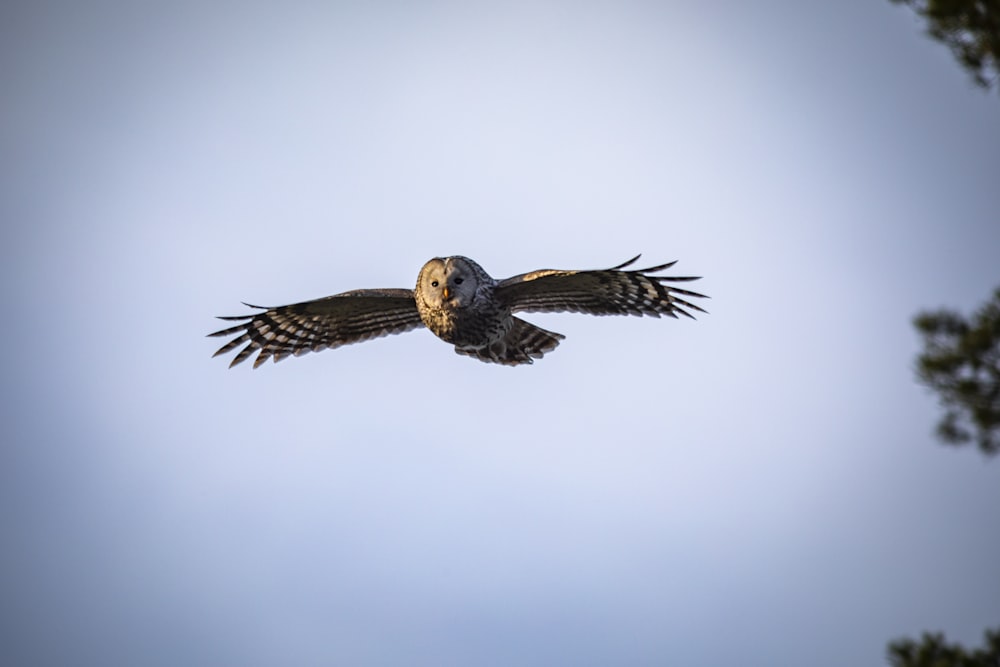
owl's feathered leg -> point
(522, 344)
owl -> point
(461, 304)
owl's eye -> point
(434, 283)
(458, 281)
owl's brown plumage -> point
(461, 304)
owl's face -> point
(448, 283)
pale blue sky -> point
(758, 487)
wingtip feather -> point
(624, 264)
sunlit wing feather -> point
(316, 325)
(613, 291)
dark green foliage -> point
(961, 363)
(970, 28)
(934, 651)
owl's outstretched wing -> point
(315, 325)
(613, 291)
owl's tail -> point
(522, 344)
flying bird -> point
(461, 304)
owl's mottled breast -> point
(480, 323)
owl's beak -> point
(446, 293)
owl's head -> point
(449, 283)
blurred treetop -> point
(970, 28)
(934, 651)
(961, 363)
